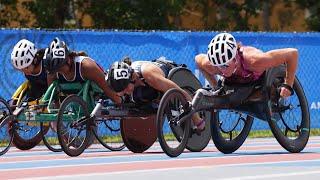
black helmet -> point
(55, 55)
(119, 76)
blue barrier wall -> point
(108, 46)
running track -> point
(256, 159)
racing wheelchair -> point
(233, 108)
(43, 111)
(24, 134)
(137, 121)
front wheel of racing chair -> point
(229, 129)
(108, 133)
(6, 135)
(289, 118)
(49, 137)
(173, 106)
(73, 128)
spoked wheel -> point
(229, 130)
(172, 107)
(50, 136)
(73, 126)
(108, 134)
(290, 118)
(26, 134)
(6, 135)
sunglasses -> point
(225, 66)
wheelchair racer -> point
(244, 64)
(26, 58)
(144, 81)
(69, 66)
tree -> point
(7, 12)
(238, 13)
(133, 14)
(53, 13)
(313, 7)
(230, 14)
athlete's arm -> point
(91, 71)
(154, 76)
(261, 61)
(51, 77)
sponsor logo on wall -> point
(315, 105)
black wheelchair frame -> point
(244, 102)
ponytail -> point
(74, 54)
(127, 60)
(38, 57)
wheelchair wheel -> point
(229, 129)
(290, 117)
(27, 135)
(138, 134)
(73, 128)
(197, 142)
(171, 108)
(50, 137)
(184, 78)
(108, 134)
(6, 135)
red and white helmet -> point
(222, 49)
(23, 54)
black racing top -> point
(144, 94)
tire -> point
(73, 138)
(285, 130)
(197, 142)
(185, 79)
(109, 128)
(6, 135)
(26, 136)
(138, 134)
(47, 138)
(173, 101)
(228, 140)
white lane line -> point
(124, 162)
(161, 160)
(273, 175)
(237, 154)
(188, 168)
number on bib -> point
(121, 74)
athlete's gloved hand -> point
(286, 90)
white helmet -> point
(23, 54)
(222, 49)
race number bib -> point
(58, 53)
(121, 74)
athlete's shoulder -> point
(201, 56)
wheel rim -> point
(109, 134)
(288, 115)
(172, 135)
(73, 135)
(5, 136)
(231, 124)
